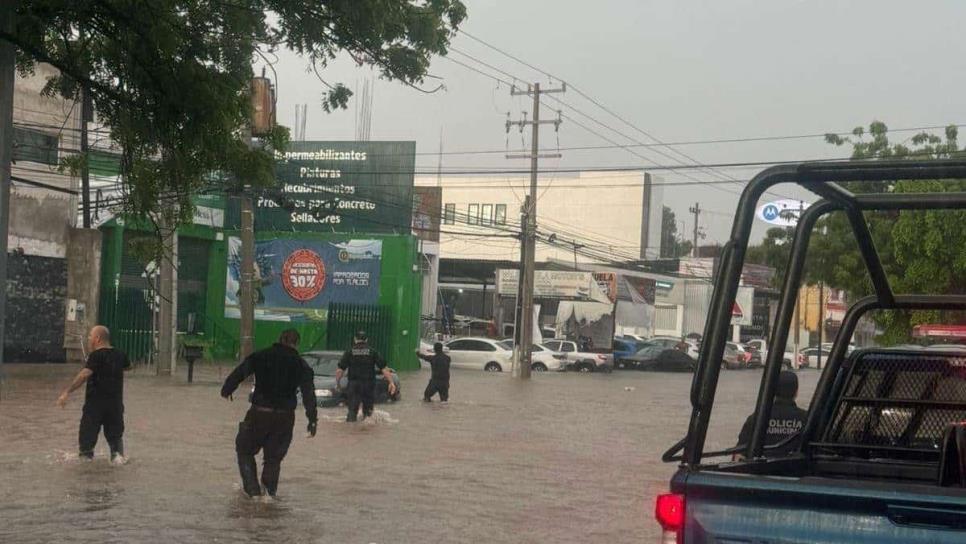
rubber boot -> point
(249, 475)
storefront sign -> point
(295, 280)
(340, 187)
(553, 284)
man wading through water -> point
(279, 371)
(362, 361)
(439, 381)
(104, 398)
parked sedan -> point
(479, 353)
(661, 359)
(541, 358)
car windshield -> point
(322, 365)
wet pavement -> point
(563, 458)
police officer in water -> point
(361, 361)
(786, 420)
(279, 372)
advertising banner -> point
(553, 284)
(295, 280)
(341, 187)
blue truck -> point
(881, 456)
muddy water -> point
(564, 458)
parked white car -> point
(541, 358)
(478, 353)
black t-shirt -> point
(361, 361)
(786, 420)
(440, 365)
(107, 381)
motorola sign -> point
(783, 213)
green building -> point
(338, 257)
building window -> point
(500, 218)
(486, 214)
(34, 146)
(474, 214)
(449, 214)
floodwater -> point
(563, 458)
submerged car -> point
(661, 359)
(328, 394)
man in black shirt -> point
(104, 397)
(439, 381)
(786, 420)
(279, 371)
(362, 361)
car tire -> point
(538, 367)
(585, 367)
(493, 366)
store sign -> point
(783, 213)
(296, 280)
(340, 187)
(553, 284)
(427, 210)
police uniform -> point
(786, 420)
(279, 371)
(439, 381)
(104, 402)
(361, 362)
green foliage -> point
(672, 247)
(921, 251)
(170, 78)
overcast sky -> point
(679, 70)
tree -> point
(772, 251)
(921, 251)
(170, 78)
(672, 247)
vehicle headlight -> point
(324, 393)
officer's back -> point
(279, 371)
(786, 419)
(361, 361)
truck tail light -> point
(669, 511)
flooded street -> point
(563, 458)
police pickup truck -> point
(882, 455)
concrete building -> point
(52, 267)
(619, 211)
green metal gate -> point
(345, 319)
(126, 312)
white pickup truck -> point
(581, 361)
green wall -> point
(400, 287)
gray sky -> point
(680, 70)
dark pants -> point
(270, 432)
(107, 414)
(437, 385)
(360, 392)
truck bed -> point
(733, 508)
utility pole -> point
(261, 123)
(246, 296)
(696, 210)
(821, 322)
(7, 79)
(86, 115)
(521, 353)
(168, 314)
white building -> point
(618, 211)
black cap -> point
(361, 336)
(438, 347)
(787, 385)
